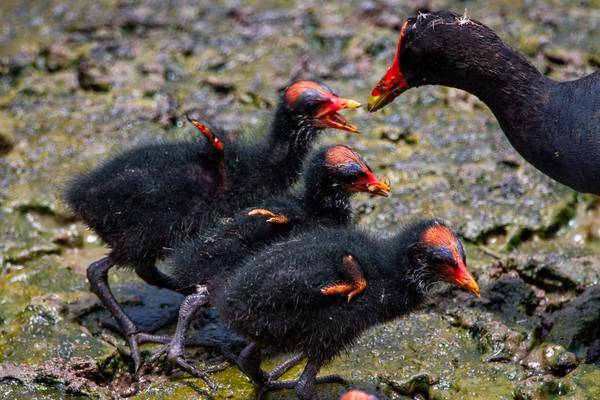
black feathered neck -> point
(290, 137)
(324, 201)
(323, 196)
(451, 50)
(274, 162)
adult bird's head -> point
(316, 103)
(346, 169)
(438, 48)
(439, 256)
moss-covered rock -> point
(576, 325)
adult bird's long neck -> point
(514, 90)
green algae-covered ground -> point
(81, 80)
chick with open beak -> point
(319, 101)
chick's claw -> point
(135, 339)
(175, 359)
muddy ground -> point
(81, 80)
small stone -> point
(562, 56)
(58, 56)
(390, 21)
(557, 272)
(69, 236)
(498, 342)
(152, 84)
(219, 85)
(396, 134)
(462, 100)
(511, 295)
(13, 64)
(539, 388)
(550, 358)
(79, 374)
(153, 67)
(576, 325)
(416, 385)
(93, 76)
(7, 137)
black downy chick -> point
(276, 299)
(146, 199)
(198, 266)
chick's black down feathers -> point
(322, 201)
(275, 298)
(141, 192)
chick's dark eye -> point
(354, 170)
(313, 103)
(443, 255)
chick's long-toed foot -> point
(175, 347)
(291, 384)
(358, 284)
(176, 359)
(272, 217)
(284, 367)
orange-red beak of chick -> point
(343, 157)
(461, 277)
(370, 184)
(455, 271)
(328, 115)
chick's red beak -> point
(392, 84)
(328, 115)
(461, 277)
(371, 184)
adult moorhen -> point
(553, 125)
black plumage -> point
(146, 199)
(275, 298)
(553, 125)
(331, 176)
